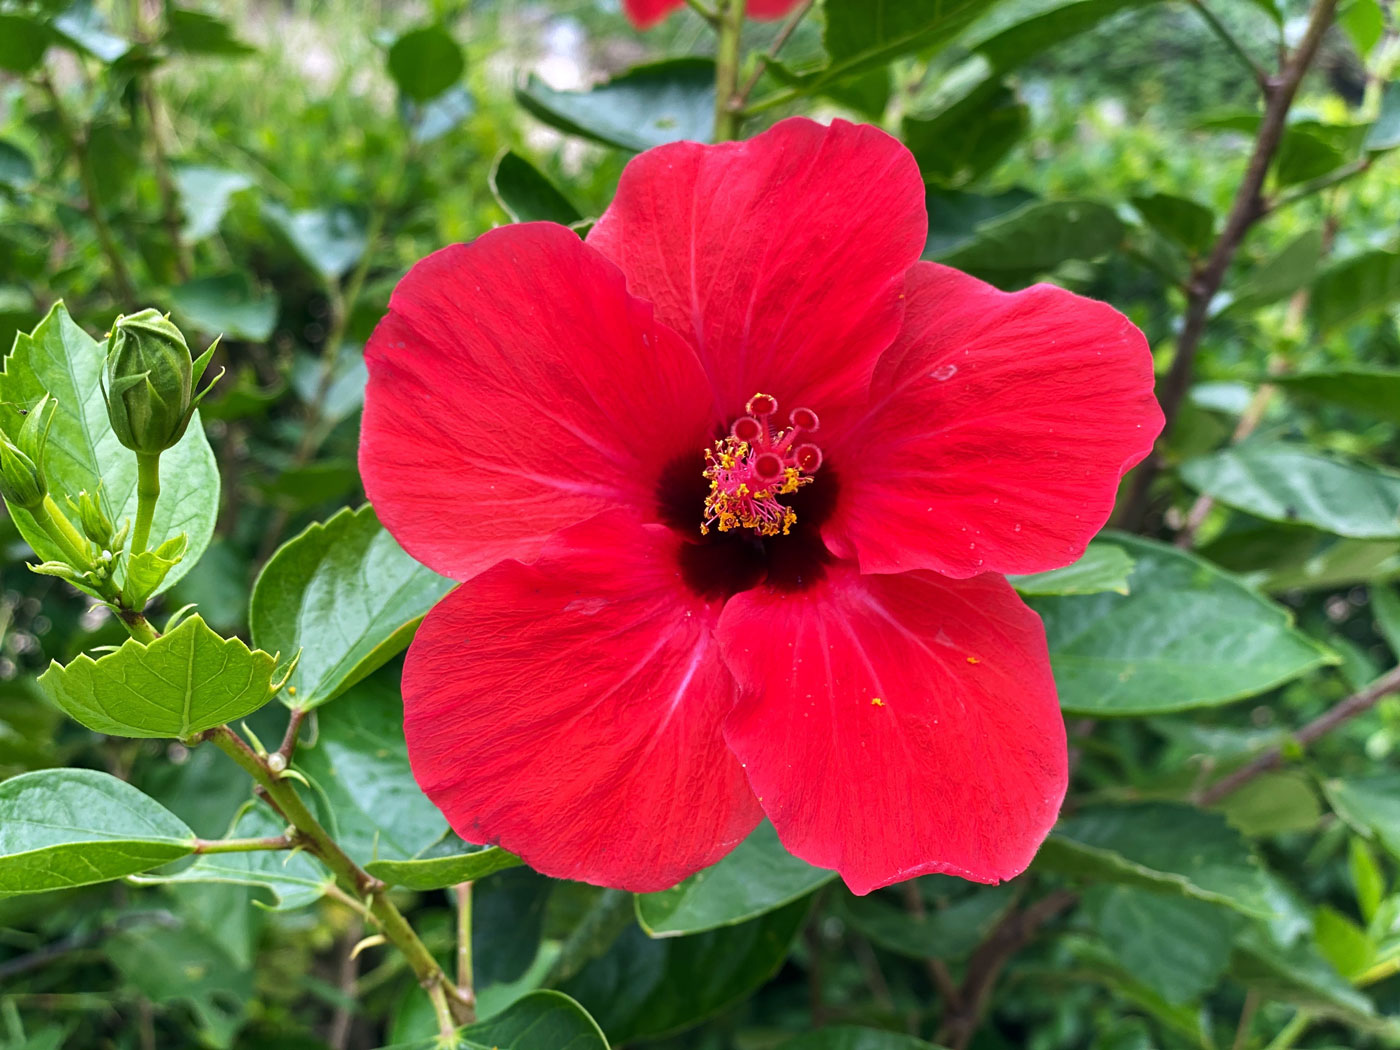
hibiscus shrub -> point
(866, 528)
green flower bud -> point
(96, 525)
(150, 381)
(22, 481)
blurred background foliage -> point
(268, 170)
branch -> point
(1248, 208)
(1013, 933)
(1341, 713)
(1229, 40)
(354, 879)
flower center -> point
(756, 464)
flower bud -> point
(150, 381)
(22, 481)
(96, 525)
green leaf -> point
(72, 827)
(1298, 974)
(1385, 132)
(1187, 635)
(849, 1037)
(954, 216)
(360, 766)
(23, 41)
(183, 683)
(1355, 287)
(1103, 567)
(526, 194)
(970, 135)
(329, 240)
(196, 33)
(647, 106)
(1366, 877)
(1274, 804)
(1292, 483)
(863, 34)
(289, 880)
(758, 877)
(641, 988)
(1279, 277)
(1342, 942)
(1370, 391)
(1038, 237)
(956, 916)
(205, 195)
(226, 304)
(1009, 39)
(1163, 846)
(1364, 22)
(540, 1021)
(1371, 805)
(1190, 224)
(425, 62)
(16, 167)
(59, 358)
(345, 595)
(1177, 946)
(1385, 604)
(447, 862)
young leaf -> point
(346, 596)
(647, 106)
(72, 827)
(758, 877)
(1292, 483)
(60, 359)
(183, 683)
(1187, 635)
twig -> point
(289, 739)
(338, 1035)
(1221, 30)
(354, 879)
(1010, 935)
(1248, 209)
(78, 147)
(937, 969)
(741, 98)
(1251, 1007)
(1339, 714)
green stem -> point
(778, 98)
(354, 879)
(729, 25)
(243, 845)
(147, 493)
(704, 12)
(1291, 1032)
(466, 984)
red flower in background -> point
(728, 485)
(646, 13)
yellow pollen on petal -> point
(875, 701)
(973, 660)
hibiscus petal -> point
(1000, 427)
(516, 388)
(571, 712)
(781, 257)
(893, 726)
(646, 13)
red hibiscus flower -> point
(646, 13)
(729, 485)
